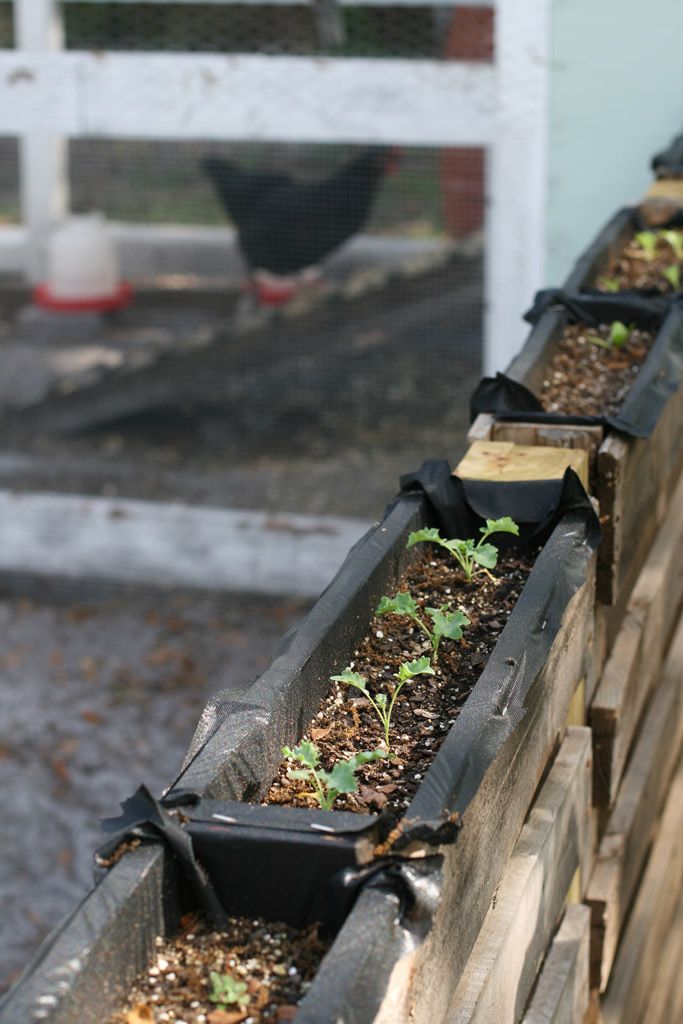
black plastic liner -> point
(669, 163)
(84, 970)
(660, 376)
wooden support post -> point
(531, 896)
(43, 156)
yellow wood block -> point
(666, 188)
(504, 461)
(577, 708)
(574, 893)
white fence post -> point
(43, 175)
(516, 175)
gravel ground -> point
(101, 691)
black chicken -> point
(287, 226)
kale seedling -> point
(444, 623)
(619, 334)
(327, 786)
(466, 552)
(227, 991)
(673, 276)
(647, 240)
(383, 709)
(609, 284)
(675, 240)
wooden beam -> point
(531, 896)
(502, 460)
(638, 957)
(562, 993)
(172, 544)
(629, 830)
(250, 97)
(637, 655)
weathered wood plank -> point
(480, 430)
(492, 822)
(628, 833)
(634, 484)
(637, 655)
(662, 200)
(665, 1005)
(562, 992)
(165, 544)
(529, 901)
(639, 951)
(550, 435)
(501, 460)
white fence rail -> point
(48, 94)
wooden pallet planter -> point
(632, 478)
(650, 921)
(562, 993)
(553, 845)
(629, 829)
(636, 658)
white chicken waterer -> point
(82, 268)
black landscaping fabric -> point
(669, 163)
(659, 377)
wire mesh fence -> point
(306, 325)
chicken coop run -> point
(297, 194)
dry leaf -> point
(227, 1016)
(56, 659)
(92, 717)
(140, 1014)
(161, 656)
(89, 668)
(320, 734)
(286, 1012)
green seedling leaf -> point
(673, 276)
(647, 240)
(352, 679)
(342, 778)
(447, 624)
(402, 604)
(306, 753)
(410, 669)
(487, 556)
(618, 336)
(504, 525)
(227, 991)
(427, 534)
(675, 240)
(609, 284)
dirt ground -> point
(100, 691)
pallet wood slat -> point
(529, 901)
(492, 822)
(562, 993)
(638, 955)
(502, 460)
(628, 833)
(636, 658)
(666, 1001)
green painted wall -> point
(616, 97)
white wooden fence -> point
(48, 94)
